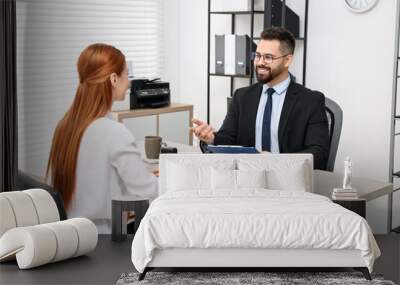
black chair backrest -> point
(25, 181)
(228, 103)
(335, 121)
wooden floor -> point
(389, 262)
(106, 264)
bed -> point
(247, 211)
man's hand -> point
(203, 131)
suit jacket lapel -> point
(290, 100)
(254, 100)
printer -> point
(146, 93)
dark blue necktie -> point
(266, 126)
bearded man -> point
(276, 114)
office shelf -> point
(297, 38)
(251, 13)
(230, 75)
(397, 174)
(237, 12)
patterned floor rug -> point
(244, 278)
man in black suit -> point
(276, 114)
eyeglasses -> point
(266, 57)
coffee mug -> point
(152, 146)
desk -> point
(368, 189)
(152, 164)
(158, 121)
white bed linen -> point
(252, 218)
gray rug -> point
(242, 278)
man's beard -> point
(269, 76)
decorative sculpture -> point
(347, 174)
(347, 192)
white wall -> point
(349, 58)
(185, 33)
(172, 47)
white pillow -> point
(223, 179)
(288, 178)
(226, 179)
(185, 174)
(251, 178)
(281, 173)
(182, 177)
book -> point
(336, 196)
(345, 194)
(341, 190)
(345, 198)
(232, 149)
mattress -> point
(250, 219)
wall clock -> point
(360, 6)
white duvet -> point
(250, 219)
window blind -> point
(50, 36)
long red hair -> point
(93, 100)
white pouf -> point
(37, 245)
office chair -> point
(26, 181)
(335, 120)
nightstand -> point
(119, 217)
(357, 205)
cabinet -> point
(235, 19)
(172, 123)
(357, 206)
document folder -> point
(231, 149)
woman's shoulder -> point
(108, 127)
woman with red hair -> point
(93, 159)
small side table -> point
(357, 205)
(119, 217)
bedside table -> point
(357, 205)
(119, 217)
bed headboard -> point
(276, 162)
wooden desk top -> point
(174, 107)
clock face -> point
(360, 6)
